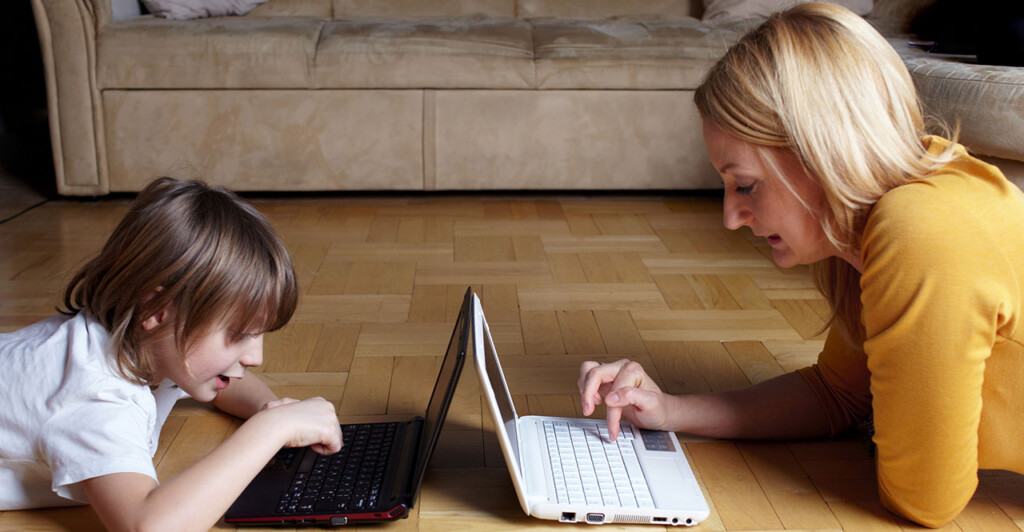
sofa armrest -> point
(67, 36)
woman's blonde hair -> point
(200, 251)
(818, 80)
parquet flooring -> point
(563, 279)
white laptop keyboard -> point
(588, 468)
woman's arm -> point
(783, 407)
(197, 497)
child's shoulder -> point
(61, 341)
(39, 330)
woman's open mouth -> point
(773, 239)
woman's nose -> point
(734, 213)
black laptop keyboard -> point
(350, 480)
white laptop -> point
(568, 470)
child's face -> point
(213, 359)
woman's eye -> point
(745, 190)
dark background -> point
(24, 129)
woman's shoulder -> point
(964, 188)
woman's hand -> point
(312, 422)
(627, 392)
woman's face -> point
(756, 197)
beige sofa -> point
(413, 95)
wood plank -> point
(792, 495)
(541, 333)
(335, 347)
(368, 386)
(619, 333)
(580, 333)
(740, 501)
(591, 296)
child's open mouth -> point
(222, 382)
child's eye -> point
(242, 336)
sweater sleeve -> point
(932, 295)
(841, 381)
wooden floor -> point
(563, 279)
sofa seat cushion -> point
(475, 52)
(213, 53)
(951, 87)
(627, 53)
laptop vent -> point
(639, 519)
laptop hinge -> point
(410, 455)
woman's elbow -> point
(930, 510)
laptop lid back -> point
(499, 400)
(444, 391)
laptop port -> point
(659, 520)
(595, 518)
(568, 517)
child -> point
(814, 124)
(174, 305)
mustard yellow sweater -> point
(942, 364)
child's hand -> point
(279, 402)
(312, 422)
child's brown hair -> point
(200, 251)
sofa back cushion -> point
(293, 8)
(422, 8)
(593, 9)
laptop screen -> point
(444, 390)
(502, 397)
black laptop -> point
(375, 476)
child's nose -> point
(253, 354)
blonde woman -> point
(174, 305)
(814, 125)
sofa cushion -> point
(627, 52)
(475, 52)
(292, 8)
(952, 88)
(606, 8)
(734, 10)
(213, 53)
(572, 140)
(267, 139)
(423, 8)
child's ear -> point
(161, 315)
(156, 320)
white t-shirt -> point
(67, 415)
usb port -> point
(595, 518)
(659, 520)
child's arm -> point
(196, 498)
(244, 397)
